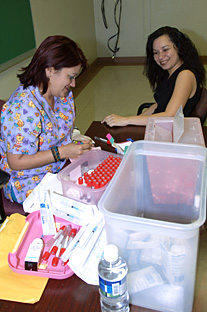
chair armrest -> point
(143, 106)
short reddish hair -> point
(55, 51)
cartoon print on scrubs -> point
(29, 125)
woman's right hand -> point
(73, 150)
(115, 120)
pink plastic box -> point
(86, 163)
(32, 230)
(192, 130)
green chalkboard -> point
(16, 30)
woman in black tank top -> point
(175, 73)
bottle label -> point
(112, 289)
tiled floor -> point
(115, 89)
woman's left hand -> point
(115, 120)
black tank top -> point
(165, 90)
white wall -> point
(141, 17)
(73, 18)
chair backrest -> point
(200, 110)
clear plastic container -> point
(153, 210)
(87, 162)
(161, 129)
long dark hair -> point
(54, 51)
(187, 52)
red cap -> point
(54, 250)
(96, 185)
(46, 255)
(55, 261)
(89, 183)
(80, 180)
(73, 232)
(102, 184)
(62, 250)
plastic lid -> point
(46, 256)
(111, 253)
(73, 232)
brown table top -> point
(72, 294)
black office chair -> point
(4, 178)
(199, 111)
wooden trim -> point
(204, 59)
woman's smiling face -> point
(60, 81)
(166, 54)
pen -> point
(100, 139)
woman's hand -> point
(73, 150)
(115, 120)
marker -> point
(102, 140)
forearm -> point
(24, 161)
(42, 158)
(141, 120)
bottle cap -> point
(111, 253)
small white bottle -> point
(113, 281)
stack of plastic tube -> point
(102, 174)
(59, 243)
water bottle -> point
(112, 271)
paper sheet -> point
(14, 286)
(49, 182)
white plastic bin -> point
(192, 134)
(153, 210)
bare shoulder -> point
(186, 83)
(187, 74)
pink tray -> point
(34, 230)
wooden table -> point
(74, 295)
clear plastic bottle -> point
(113, 281)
